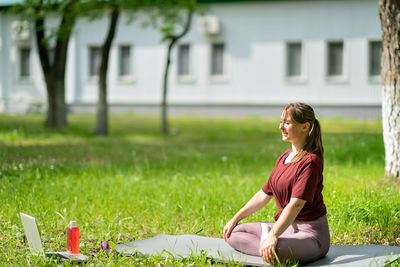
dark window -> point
(124, 60)
(293, 59)
(51, 53)
(94, 60)
(375, 52)
(335, 58)
(183, 59)
(217, 59)
(24, 64)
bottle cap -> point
(73, 224)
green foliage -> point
(95, 9)
(34, 10)
(170, 16)
(137, 183)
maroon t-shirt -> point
(301, 180)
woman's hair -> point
(303, 113)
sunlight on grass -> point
(136, 183)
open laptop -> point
(35, 243)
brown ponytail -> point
(303, 113)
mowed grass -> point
(136, 183)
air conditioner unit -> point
(20, 30)
(209, 25)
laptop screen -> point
(32, 233)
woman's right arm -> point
(259, 200)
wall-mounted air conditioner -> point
(209, 25)
(20, 30)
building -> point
(242, 57)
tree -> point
(389, 11)
(102, 106)
(172, 39)
(53, 69)
(170, 16)
(168, 13)
(97, 9)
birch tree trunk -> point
(389, 12)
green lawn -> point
(136, 183)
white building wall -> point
(147, 62)
(18, 94)
(255, 36)
(2, 51)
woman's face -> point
(292, 131)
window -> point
(94, 60)
(217, 59)
(51, 54)
(24, 62)
(184, 60)
(375, 52)
(293, 59)
(335, 58)
(124, 61)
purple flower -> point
(104, 246)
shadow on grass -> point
(137, 139)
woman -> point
(301, 231)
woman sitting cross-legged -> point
(301, 231)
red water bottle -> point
(73, 237)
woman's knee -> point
(244, 242)
(302, 251)
(252, 228)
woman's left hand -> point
(268, 246)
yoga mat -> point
(185, 245)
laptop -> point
(35, 243)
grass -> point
(136, 183)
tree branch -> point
(40, 37)
(63, 34)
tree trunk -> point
(56, 113)
(389, 11)
(102, 106)
(164, 116)
(54, 73)
(173, 39)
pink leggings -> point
(303, 241)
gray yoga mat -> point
(216, 248)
